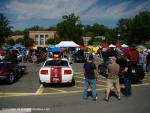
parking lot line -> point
(78, 73)
(16, 94)
(145, 84)
(56, 89)
(79, 77)
(40, 90)
(97, 80)
(78, 87)
(147, 79)
(96, 84)
(60, 92)
(70, 92)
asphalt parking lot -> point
(27, 95)
(29, 85)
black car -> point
(137, 69)
(79, 56)
(9, 71)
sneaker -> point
(107, 100)
(119, 98)
(95, 99)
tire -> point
(40, 81)
(72, 82)
(11, 78)
(44, 84)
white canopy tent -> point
(124, 45)
(111, 45)
(67, 44)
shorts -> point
(114, 83)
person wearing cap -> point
(148, 61)
(90, 78)
(127, 76)
(113, 78)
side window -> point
(64, 63)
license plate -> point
(133, 70)
(55, 79)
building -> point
(40, 37)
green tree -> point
(28, 42)
(141, 27)
(98, 30)
(135, 30)
(95, 30)
(70, 28)
(5, 28)
(17, 32)
(20, 41)
(10, 41)
(111, 36)
(53, 41)
(124, 26)
(52, 28)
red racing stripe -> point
(56, 74)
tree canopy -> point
(129, 30)
(5, 28)
(137, 29)
(70, 28)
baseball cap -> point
(113, 57)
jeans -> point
(23, 59)
(87, 83)
(148, 68)
(127, 84)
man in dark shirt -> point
(127, 77)
(90, 78)
(148, 62)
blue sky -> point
(26, 13)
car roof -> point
(57, 59)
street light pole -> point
(118, 37)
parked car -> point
(9, 71)
(137, 69)
(56, 70)
(2, 54)
(40, 56)
(18, 53)
(79, 56)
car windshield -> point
(80, 52)
(15, 51)
(56, 63)
(36, 51)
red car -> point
(9, 71)
(2, 54)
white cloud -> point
(122, 10)
(86, 9)
(49, 9)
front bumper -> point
(3, 77)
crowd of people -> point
(91, 76)
(134, 55)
